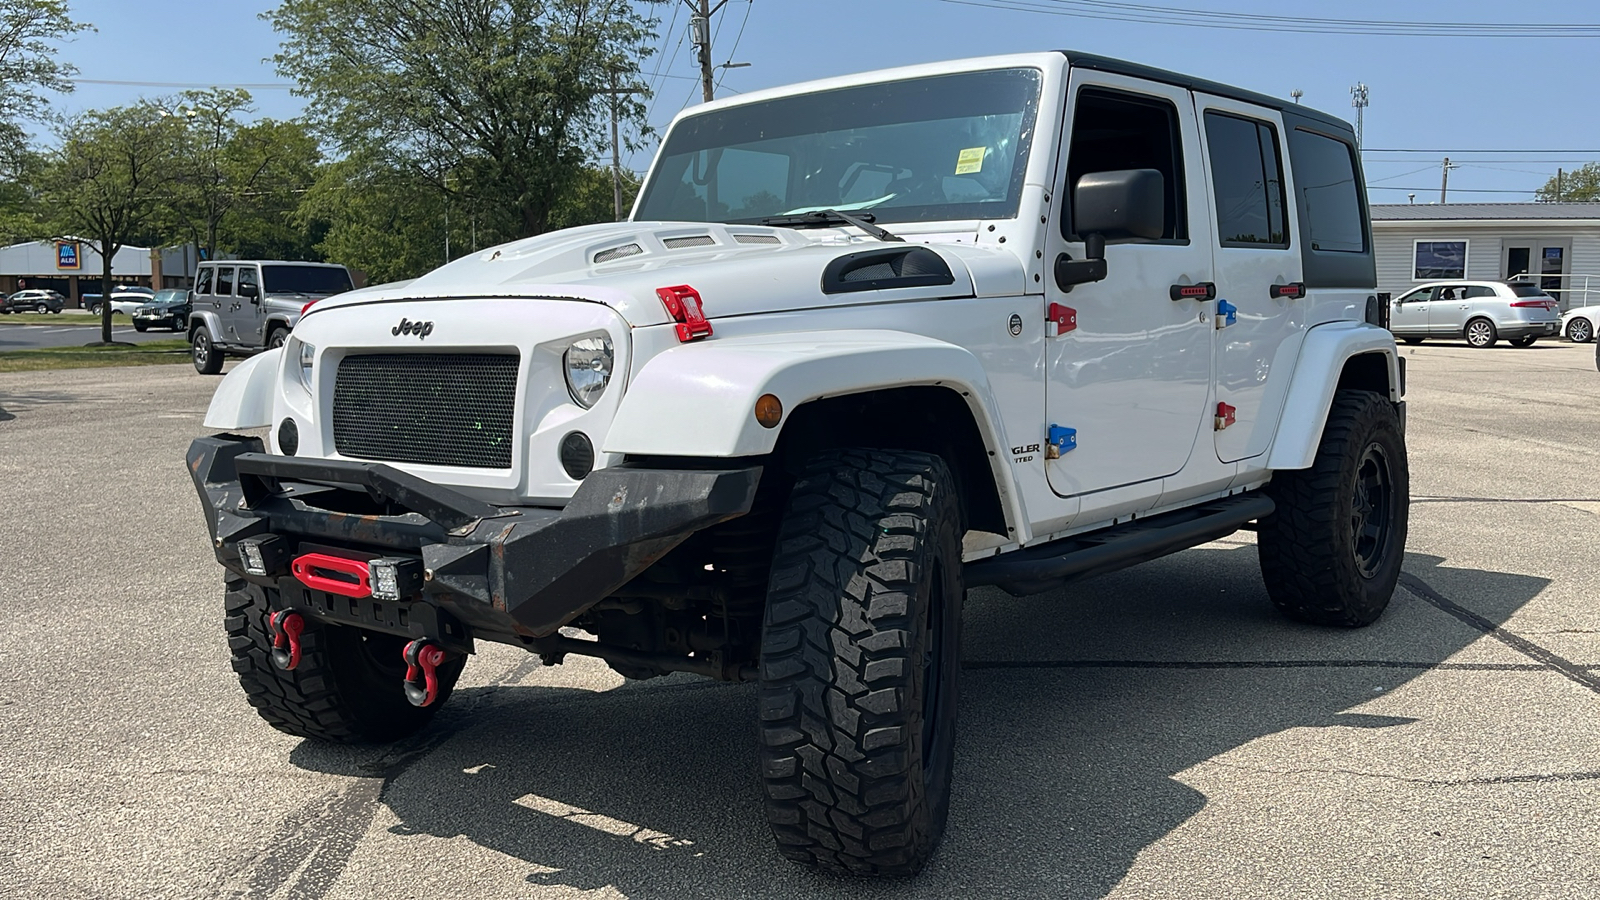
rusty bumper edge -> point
(526, 570)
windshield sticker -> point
(970, 161)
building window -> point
(1436, 260)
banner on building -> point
(67, 257)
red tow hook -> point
(285, 626)
(422, 658)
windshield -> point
(170, 295)
(304, 279)
(946, 147)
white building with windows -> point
(1557, 244)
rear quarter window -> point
(1335, 237)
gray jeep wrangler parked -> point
(242, 307)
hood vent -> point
(622, 252)
(757, 239)
(694, 240)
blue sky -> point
(1433, 93)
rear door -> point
(1261, 304)
(1447, 314)
(205, 297)
(1132, 371)
(1409, 315)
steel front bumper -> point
(504, 572)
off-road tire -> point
(1320, 561)
(276, 338)
(348, 687)
(863, 616)
(207, 358)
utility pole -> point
(1358, 99)
(616, 142)
(1559, 173)
(700, 35)
(1444, 183)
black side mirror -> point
(1120, 204)
(249, 290)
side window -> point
(1330, 204)
(1420, 295)
(225, 281)
(1478, 291)
(1246, 167)
(1112, 130)
(247, 275)
(202, 282)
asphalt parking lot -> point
(1161, 732)
(34, 336)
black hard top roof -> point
(1151, 73)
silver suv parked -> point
(242, 307)
(1480, 311)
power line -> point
(1200, 18)
(748, 4)
(1412, 150)
(265, 86)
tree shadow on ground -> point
(1078, 708)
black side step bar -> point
(1038, 569)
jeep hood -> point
(737, 270)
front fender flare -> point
(1323, 355)
(210, 321)
(244, 398)
(698, 399)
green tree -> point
(29, 31)
(375, 218)
(490, 106)
(1579, 184)
(21, 214)
(107, 182)
(275, 164)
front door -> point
(1408, 316)
(250, 308)
(1131, 372)
(229, 304)
(1260, 300)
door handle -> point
(1293, 290)
(1204, 290)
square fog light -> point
(394, 579)
(264, 555)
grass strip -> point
(155, 353)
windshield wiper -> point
(822, 218)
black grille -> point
(447, 409)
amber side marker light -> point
(769, 411)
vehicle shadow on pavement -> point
(1079, 710)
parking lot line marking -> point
(1248, 664)
(1566, 667)
(658, 840)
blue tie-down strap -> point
(1063, 439)
(1227, 314)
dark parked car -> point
(169, 309)
(33, 301)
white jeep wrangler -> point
(864, 344)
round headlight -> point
(308, 356)
(588, 366)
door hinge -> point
(1227, 314)
(1060, 439)
(1060, 320)
(1226, 415)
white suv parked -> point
(1480, 311)
(864, 344)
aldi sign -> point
(67, 257)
